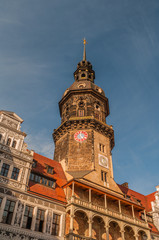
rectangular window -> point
(50, 169)
(15, 173)
(8, 212)
(80, 113)
(32, 176)
(34, 163)
(39, 221)
(27, 219)
(55, 224)
(103, 176)
(5, 169)
(101, 147)
(42, 180)
(1, 201)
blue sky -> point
(40, 46)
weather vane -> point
(84, 51)
(84, 41)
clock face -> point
(80, 136)
(103, 161)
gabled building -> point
(32, 201)
(74, 196)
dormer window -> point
(34, 163)
(50, 169)
(8, 141)
(14, 144)
(48, 182)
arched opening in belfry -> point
(114, 231)
(129, 233)
(80, 225)
(142, 235)
(98, 228)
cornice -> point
(84, 123)
(13, 129)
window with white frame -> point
(5, 170)
(28, 215)
(55, 224)
(8, 141)
(39, 220)
(8, 212)
(14, 144)
(15, 173)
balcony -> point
(73, 236)
(111, 213)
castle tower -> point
(84, 141)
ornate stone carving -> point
(26, 156)
(10, 182)
(9, 123)
(48, 223)
(19, 214)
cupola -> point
(84, 68)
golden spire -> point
(84, 51)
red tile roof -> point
(145, 201)
(56, 194)
(150, 198)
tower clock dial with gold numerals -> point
(80, 136)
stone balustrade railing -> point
(107, 211)
(73, 236)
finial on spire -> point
(84, 51)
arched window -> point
(9, 141)
(0, 137)
(14, 144)
(83, 75)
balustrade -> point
(111, 213)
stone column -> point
(90, 195)
(45, 221)
(34, 218)
(10, 171)
(14, 213)
(90, 227)
(71, 218)
(136, 236)
(62, 224)
(105, 201)
(145, 215)
(73, 190)
(133, 214)
(2, 208)
(119, 206)
(107, 232)
(122, 234)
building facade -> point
(30, 209)
(74, 196)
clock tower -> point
(84, 141)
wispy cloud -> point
(41, 144)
